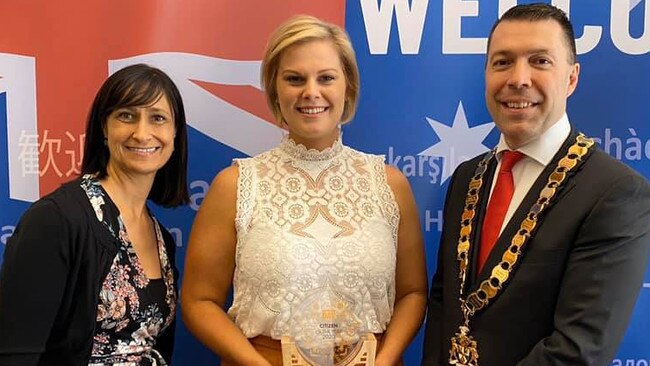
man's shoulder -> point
(604, 166)
(469, 166)
(605, 175)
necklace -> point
(464, 348)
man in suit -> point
(545, 239)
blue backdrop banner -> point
(422, 96)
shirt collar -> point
(543, 148)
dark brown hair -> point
(538, 12)
(133, 86)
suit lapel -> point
(515, 221)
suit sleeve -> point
(32, 282)
(433, 328)
(602, 279)
(431, 348)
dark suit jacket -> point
(569, 300)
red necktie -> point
(498, 206)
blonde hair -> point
(303, 29)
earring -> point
(105, 141)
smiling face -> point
(140, 139)
(311, 92)
(528, 78)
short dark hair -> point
(539, 12)
(133, 86)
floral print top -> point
(132, 309)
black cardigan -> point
(54, 266)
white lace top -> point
(310, 220)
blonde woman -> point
(309, 216)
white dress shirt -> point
(538, 153)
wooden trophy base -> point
(363, 355)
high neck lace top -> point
(310, 221)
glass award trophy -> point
(325, 331)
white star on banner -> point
(458, 143)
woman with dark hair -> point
(89, 276)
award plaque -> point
(325, 331)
